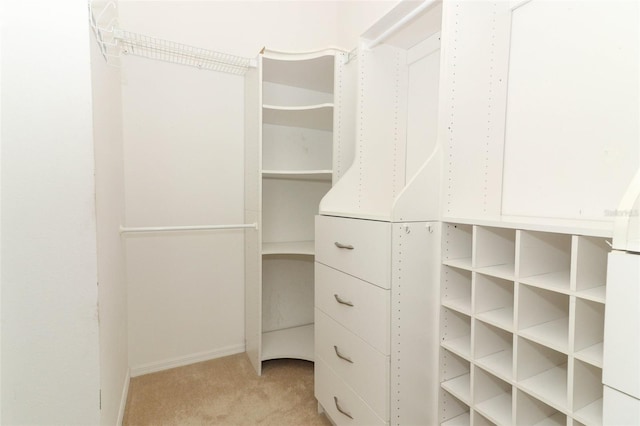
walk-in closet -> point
(350, 212)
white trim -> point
(154, 367)
(123, 400)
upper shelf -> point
(319, 117)
(313, 74)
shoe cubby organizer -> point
(522, 325)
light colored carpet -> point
(226, 391)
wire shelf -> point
(168, 51)
(115, 42)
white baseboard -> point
(123, 400)
(154, 367)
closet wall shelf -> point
(323, 175)
(115, 42)
(306, 248)
(319, 117)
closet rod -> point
(124, 230)
(398, 25)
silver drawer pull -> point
(342, 301)
(343, 246)
(335, 399)
(339, 355)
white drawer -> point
(362, 367)
(339, 401)
(357, 305)
(361, 248)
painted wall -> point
(184, 159)
(50, 360)
(109, 188)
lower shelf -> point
(461, 420)
(497, 409)
(295, 342)
(591, 414)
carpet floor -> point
(226, 391)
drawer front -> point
(356, 362)
(361, 248)
(357, 305)
(341, 403)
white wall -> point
(50, 371)
(184, 156)
(109, 181)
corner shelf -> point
(320, 175)
(319, 117)
(305, 248)
(296, 342)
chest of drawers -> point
(374, 289)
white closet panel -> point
(572, 129)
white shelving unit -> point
(518, 347)
(291, 101)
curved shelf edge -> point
(305, 248)
(295, 342)
(315, 175)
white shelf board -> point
(596, 294)
(497, 409)
(463, 263)
(291, 247)
(309, 70)
(561, 226)
(506, 271)
(462, 305)
(549, 387)
(553, 334)
(460, 387)
(319, 117)
(558, 419)
(501, 318)
(591, 414)
(500, 364)
(460, 346)
(296, 342)
(298, 174)
(462, 420)
(591, 355)
(555, 281)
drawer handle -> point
(339, 355)
(335, 399)
(342, 301)
(343, 246)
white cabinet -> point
(522, 325)
(291, 147)
(376, 337)
(378, 239)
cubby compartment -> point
(492, 397)
(287, 307)
(480, 420)
(587, 393)
(531, 411)
(453, 412)
(495, 251)
(455, 375)
(543, 316)
(457, 244)
(493, 350)
(455, 333)
(591, 268)
(589, 332)
(542, 372)
(456, 289)
(545, 260)
(494, 300)
(291, 149)
(289, 208)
